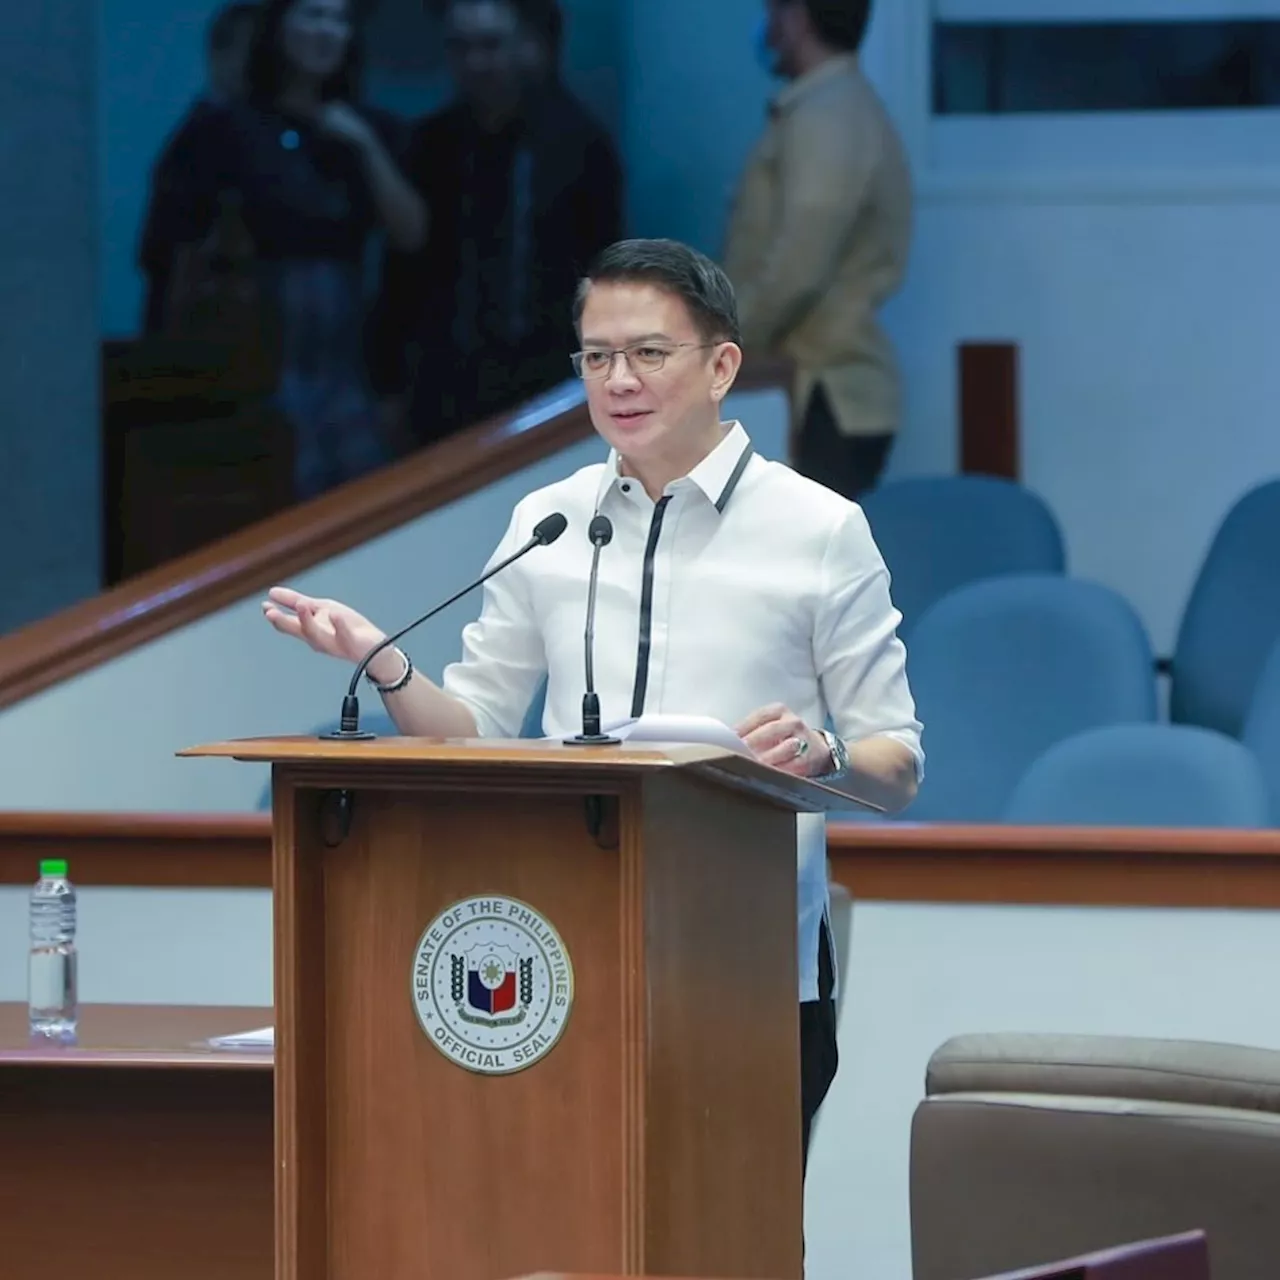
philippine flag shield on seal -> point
(491, 979)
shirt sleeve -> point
(861, 661)
(823, 178)
(196, 165)
(503, 656)
(393, 319)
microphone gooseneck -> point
(545, 532)
(600, 531)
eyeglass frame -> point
(668, 350)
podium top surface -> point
(725, 767)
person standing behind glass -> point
(525, 188)
(312, 176)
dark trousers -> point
(819, 1055)
(848, 464)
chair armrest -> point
(1179, 1071)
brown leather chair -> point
(1033, 1147)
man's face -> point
(488, 55)
(786, 23)
(226, 66)
(663, 417)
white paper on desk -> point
(685, 730)
(264, 1038)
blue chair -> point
(937, 533)
(1144, 775)
(1003, 669)
(1262, 728)
(1232, 617)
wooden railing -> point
(193, 586)
(218, 575)
(1079, 866)
(163, 850)
(1075, 866)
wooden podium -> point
(536, 1009)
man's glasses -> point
(644, 357)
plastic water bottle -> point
(51, 968)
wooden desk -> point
(139, 1153)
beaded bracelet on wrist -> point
(396, 685)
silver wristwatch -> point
(839, 757)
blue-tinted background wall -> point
(48, 312)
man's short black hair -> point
(841, 24)
(224, 25)
(676, 268)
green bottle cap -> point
(53, 867)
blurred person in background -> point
(309, 175)
(818, 241)
(227, 43)
(524, 188)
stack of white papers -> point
(263, 1038)
(682, 730)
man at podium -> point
(730, 587)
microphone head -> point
(549, 528)
(600, 531)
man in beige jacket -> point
(818, 241)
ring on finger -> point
(802, 745)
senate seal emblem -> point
(492, 984)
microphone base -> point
(349, 729)
(592, 740)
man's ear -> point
(726, 362)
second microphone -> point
(600, 531)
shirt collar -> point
(717, 475)
(840, 64)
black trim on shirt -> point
(646, 590)
(646, 608)
(732, 483)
